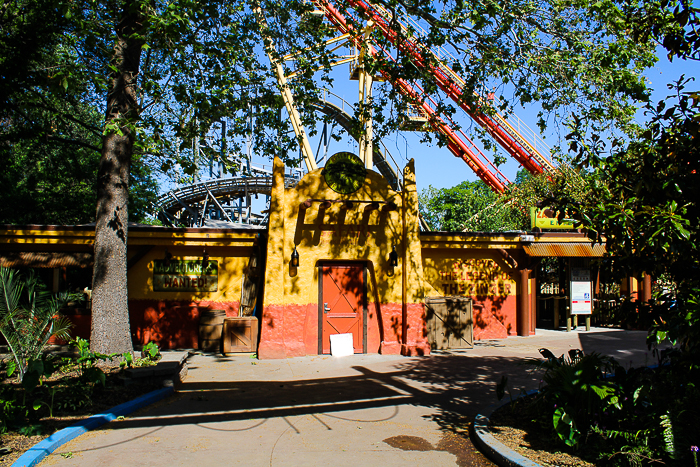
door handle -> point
(326, 308)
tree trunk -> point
(110, 309)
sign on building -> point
(547, 218)
(185, 276)
(581, 298)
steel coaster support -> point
(441, 79)
(455, 143)
(204, 212)
(323, 141)
(194, 213)
(286, 92)
(228, 218)
(342, 117)
(365, 80)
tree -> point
(50, 133)
(470, 206)
(165, 74)
(644, 198)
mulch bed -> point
(115, 392)
(515, 428)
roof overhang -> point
(568, 249)
(45, 259)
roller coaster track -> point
(185, 197)
(531, 141)
(260, 179)
(498, 127)
(381, 156)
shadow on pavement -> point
(456, 386)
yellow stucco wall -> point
(328, 228)
(231, 249)
(231, 264)
(334, 233)
(467, 273)
(475, 267)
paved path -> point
(351, 411)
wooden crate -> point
(240, 335)
(449, 322)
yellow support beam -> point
(287, 96)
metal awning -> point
(568, 249)
(36, 259)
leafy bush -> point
(634, 417)
(10, 410)
(29, 317)
(575, 389)
(72, 385)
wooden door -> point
(342, 305)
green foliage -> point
(65, 385)
(10, 409)
(576, 388)
(36, 371)
(29, 317)
(644, 195)
(74, 396)
(565, 427)
(469, 206)
(629, 417)
(472, 206)
(150, 354)
(151, 351)
(87, 361)
(51, 134)
(52, 394)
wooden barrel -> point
(211, 323)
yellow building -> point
(342, 254)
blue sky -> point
(438, 167)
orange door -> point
(342, 305)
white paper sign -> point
(581, 303)
(341, 345)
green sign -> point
(344, 173)
(185, 276)
(546, 218)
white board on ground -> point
(341, 345)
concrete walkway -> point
(351, 411)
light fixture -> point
(393, 257)
(205, 260)
(294, 260)
(168, 257)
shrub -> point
(29, 317)
(634, 417)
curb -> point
(43, 448)
(498, 452)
